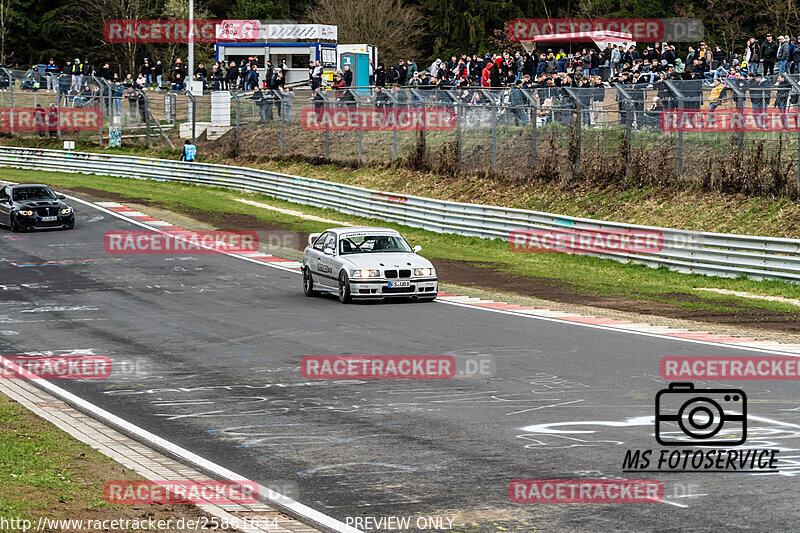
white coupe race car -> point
(366, 263)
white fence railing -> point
(717, 254)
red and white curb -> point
(623, 326)
(184, 233)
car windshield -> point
(362, 244)
(32, 193)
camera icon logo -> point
(702, 415)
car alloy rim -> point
(307, 280)
(342, 287)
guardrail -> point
(716, 254)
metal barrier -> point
(716, 254)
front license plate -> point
(48, 219)
(399, 284)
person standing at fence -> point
(258, 99)
(517, 102)
(117, 91)
(133, 100)
(189, 151)
(87, 69)
(287, 99)
(347, 76)
(158, 72)
(317, 75)
(52, 120)
(64, 86)
(231, 77)
(39, 119)
(75, 74)
(782, 55)
(146, 71)
(51, 71)
(769, 53)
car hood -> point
(387, 260)
(40, 203)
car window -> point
(330, 241)
(320, 241)
(361, 244)
(33, 193)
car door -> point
(311, 256)
(5, 206)
(326, 261)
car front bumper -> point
(376, 289)
(34, 222)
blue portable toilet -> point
(357, 57)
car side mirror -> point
(417, 249)
(327, 251)
(61, 197)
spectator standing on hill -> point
(51, 72)
(347, 76)
(401, 73)
(64, 86)
(769, 54)
(232, 76)
(75, 73)
(158, 72)
(783, 54)
(147, 72)
(52, 120)
(411, 68)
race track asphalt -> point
(206, 351)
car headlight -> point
(26, 213)
(366, 273)
(424, 271)
(66, 211)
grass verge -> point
(683, 208)
(44, 472)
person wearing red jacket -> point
(486, 75)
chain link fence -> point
(601, 132)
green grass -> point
(37, 464)
(580, 273)
(683, 209)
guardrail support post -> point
(459, 116)
(680, 142)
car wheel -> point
(13, 224)
(344, 288)
(308, 283)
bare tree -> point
(91, 16)
(5, 23)
(391, 25)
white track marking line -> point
(750, 295)
(292, 212)
(279, 501)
